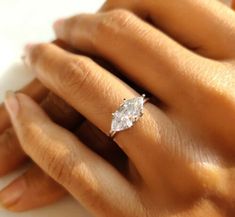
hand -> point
(181, 153)
(34, 188)
(12, 156)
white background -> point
(21, 22)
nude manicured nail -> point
(12, 104)
(10, 195)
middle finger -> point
(142, 52)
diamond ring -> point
(127, 114)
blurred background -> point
(25, 21)
(22, 22)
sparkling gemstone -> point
(127, 114)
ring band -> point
(127, 114)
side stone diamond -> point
(127, 114)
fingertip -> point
(26, 53)
(58, 26)
(29, 107)
(11, 194)
(19, 104)
(30, 112)
(32, 51)
(33, 189)
(12, 104)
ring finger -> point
(96, 93)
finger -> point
(35, 89)
(163, 73)
(97, 141)
(31, 190)
(11, 154)
(35, 189)
(195, 26)
(60, 112)
(39, 190)
(96, 94)
(83, 173)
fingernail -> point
(12, 104)
(58, 25)
(10, 195)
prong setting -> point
(127, 114)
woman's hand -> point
(181, 152)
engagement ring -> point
(127, 114)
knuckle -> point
(75, 74)
(113, 21)
(219, 88)
(57, 162)
(120, 15)
(30, 134)
(60, 167)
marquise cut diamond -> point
(127, 114)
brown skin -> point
(35, 90)
(13, 157)
(189, 136)
(34, 181)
